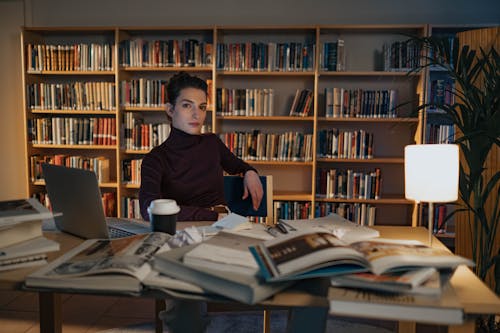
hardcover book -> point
(311, 254)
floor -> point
(81, 313)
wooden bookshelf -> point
(295, 178)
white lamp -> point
(431, 175)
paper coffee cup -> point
(163, 215)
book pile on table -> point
(21, 240)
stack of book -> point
(21, 241)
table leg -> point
(50, 312)
(310, 320)
(159, 306)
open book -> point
(311, 254)
(102, 264)
(222, 265)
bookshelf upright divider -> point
(276, 93)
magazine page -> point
(127, 255)
(303, 251)
(386, 255)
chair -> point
(233, 191)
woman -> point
(189, 166)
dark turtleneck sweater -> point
(188, 168)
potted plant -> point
(475, 112)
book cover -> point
(445, 310)
(28, 253)
(246, 288)
(20, 232)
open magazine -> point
(311, 254)
(90, 265)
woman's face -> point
(189, 112)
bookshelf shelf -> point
(166, 69)
(266, 118)
(72, 73)
(298, 71)
(89, 147)
(376, 160)
(369, 120)
(69, 112)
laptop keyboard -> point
(118, 233)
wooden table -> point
(310, 299)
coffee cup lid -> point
(163, 207)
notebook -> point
(75, 193)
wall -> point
(15, 13)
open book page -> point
(385, 255)
(342, 228)
(323, 254)
(224, 251)
(304, 251)
(127, 255)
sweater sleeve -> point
(150, 188)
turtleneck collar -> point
(181, 139)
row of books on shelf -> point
(139, 135)
(140, 52)
(99, 165)
(143, 92)
(335, 143)
(72, 131)
(245, 102)
(440, 218)
(302, 103)
(259, 146)
(21, 239)
(360, 213)
(131, 208)
(92, 95)
(440, 133)
(333, 56)
(442, 92)
(238, 56)
(69, 57)
(271, 56)
(290, 210)
(360, 103)
(401, 55)
(348, 184)
(131, 171)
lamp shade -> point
(431, 172)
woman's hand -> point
(253, 186)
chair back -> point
(233, 191)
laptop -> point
(75, 193)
